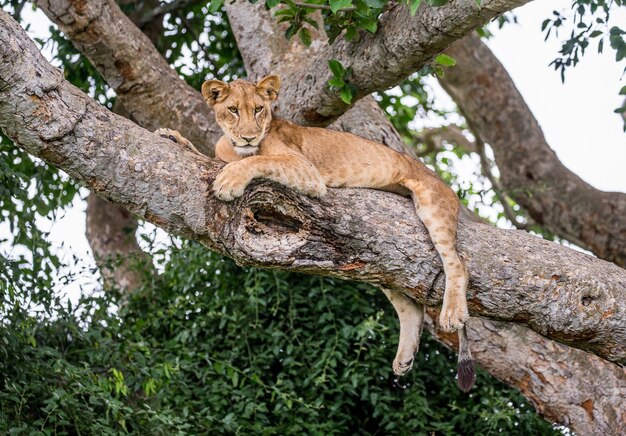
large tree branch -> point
(401, 46)
(557, 400)
(356, 234)
(530, 171)
(130, 64)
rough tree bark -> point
(357, 234)
(401, 46)
(566, 405)
(577, 389)
(530, 171)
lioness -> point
(308, 159)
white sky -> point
(577, 117)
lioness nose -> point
(248, 138)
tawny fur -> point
(308, 159)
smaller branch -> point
(485, 165)
(322, 7)
(17, 14)
(164, 9)
(434, 138)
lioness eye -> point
(258, 109)
(232, 109)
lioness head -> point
(242, 110)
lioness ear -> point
(268, 87)
(215, 91)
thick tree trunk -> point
(540, 388)
(111, 235)
(110, 228)
(566, 385)
(530, 171)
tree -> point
(272, 227)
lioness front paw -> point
(453, 316)
(175, 136)
(230, 182)
(315, 190)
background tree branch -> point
(130, 64)
(530, 172)
(401, 45)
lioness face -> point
(243, 110)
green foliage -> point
(589, 22)
(200, 44)
(210, 346)
(340, 81)
(29, 192)
(339, 16)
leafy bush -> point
(209, 346)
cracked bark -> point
(531, 173)
(562, 406)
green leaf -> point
(371, 26)
(271, 3)
(336, 5)
(414, 5)
(346, 95)
(622, 91)
(445, 60)
(305, 36)
(336, 82)
(291, 30)
(215, 5)
(336, 68)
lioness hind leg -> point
(438, 208)
(174, 135)
(411, 316)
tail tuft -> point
(465, 370)
(466, 375)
